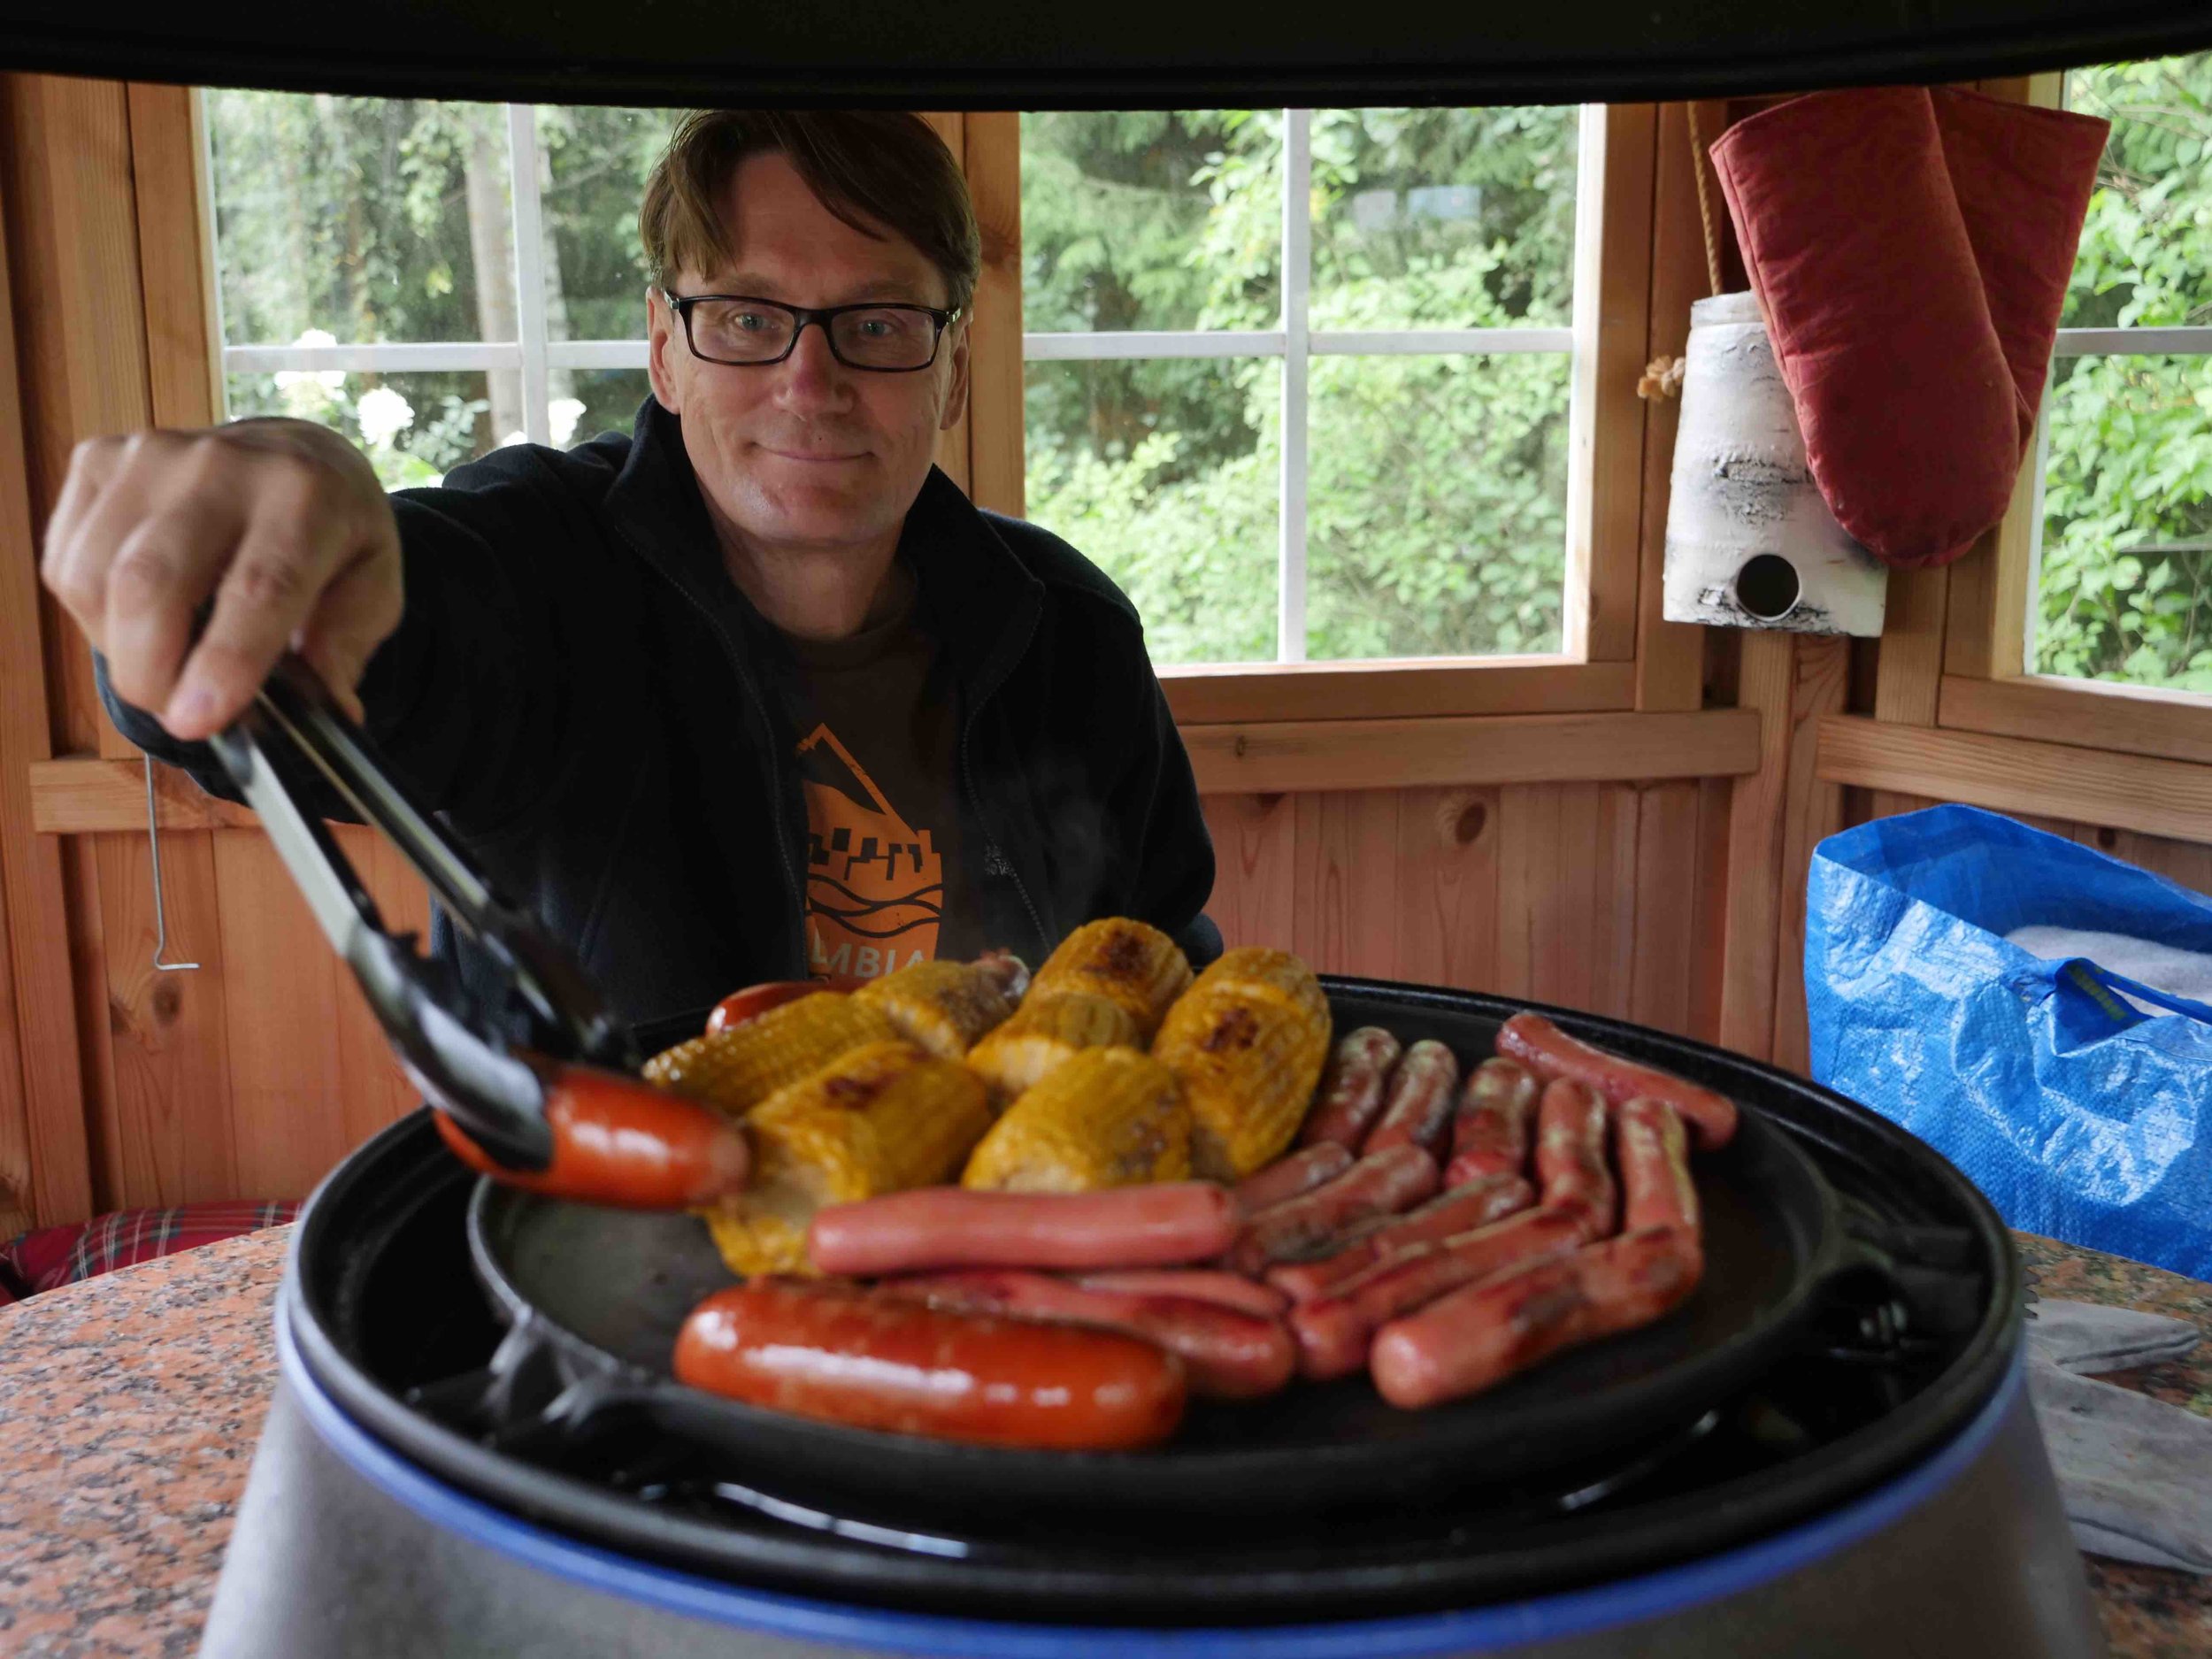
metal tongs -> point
(472, 1059)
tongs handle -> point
(454, 1048)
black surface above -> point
(1017, 54)
(389, 1321)
(622, 1283)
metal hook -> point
(161, 917)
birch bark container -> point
(1750, 543)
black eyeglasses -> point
(748, 333)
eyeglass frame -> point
(809, 316)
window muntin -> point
(2123, 588)
(1340, 258)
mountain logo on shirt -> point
(875, 885)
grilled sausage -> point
(1332, 1331)
(843, 1356)
(1476, 1338)
(1165, 1224)
(1440, 1218)
(1351, 1089)
(1655, 1158)
(1226, 1354)
(1193, 1284)
(1550, 1053)
(1490, 1131)
(1287, 1177)
(1571, 1167)
(1311, 1224)
(742, 1008)
(1417, 1109)
(617, 1141)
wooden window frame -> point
(1610, 524)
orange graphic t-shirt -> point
(877, 750)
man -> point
(752, 694)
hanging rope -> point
(1663, 375)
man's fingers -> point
(264, 598)
(97, 508)
(163, 570)
(356, 614)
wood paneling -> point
(1386, 690)
(1812, 809)
(994, 365)
(71, 797)
(1530, 749)
(2009, 774)
(952, 442)
(2170, 724)
(1766, 677)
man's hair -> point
(876, 171)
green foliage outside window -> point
(2125, 588)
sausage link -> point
(871, 1361)
(1287, 1177)
(1352, 1090)
(1654, 1152)
(743, 1008)
(1227, 1354)
(1333, 1332)
(1490, 1131)
(1167, 1224)
(1550, 1053)
(1194, 1284)
(1570, 1166)
(1476, 1338)
(1311, 1224)
(617, 1141)
(1455, 1212)
(1417, 1110)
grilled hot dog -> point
(1490, 1131)
(1440, 1218)
(1193, 1284)
(742, 1008)
(1570, 1124)
(1352, 1088)
(1550, 1053)
(1311, 1224)
(1654, 1157)
(1417, 1109)
(1287, 1177)
(844, 1356)
(1165, 1224)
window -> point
(2124, 580)
(1301, 380)
(432, 279)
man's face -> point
(807, 453)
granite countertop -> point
(130, 1406)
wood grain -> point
(1254, 895)
(1446, 912)
(73, 797)
(45, 1165)
(1389, 690)
(1664, 892)
(1766, 678)
(172, 257)
(1812, 809)
(2135, 719)
(1528, 749)
(993, 141)
(2169, 798)
(953, 441)
(1345, 887)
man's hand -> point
(283, 523)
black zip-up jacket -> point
(578, 687)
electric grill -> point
(475, 1447)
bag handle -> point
(2085, 980)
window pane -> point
(1165, 473)
(602, 400)
(1443, 219)
(1149, 219)
(2125, 585)
(591, 179)
(1436, 515)
(361, 219)
(413, 427)
(2145, 253)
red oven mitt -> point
(1911, 253)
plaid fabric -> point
(51, 1256)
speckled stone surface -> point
(130, 1406)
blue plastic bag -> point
(2079, 1115)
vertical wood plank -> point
(172, 258)
(1664, 892)
(1254, 895)
(1766, 677)
(1670, 656)
(1709, 915)
(283, 1019)
(95, 1053)
(1345, 897)
(1602, 512)
(45, 1164)
(1909, 677)
(1811, 810)
(15, 1119)
(995, 363)
(953, 441)
(1447, 888)
(1528, 889)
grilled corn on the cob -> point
(738, 1069)
(1276, 975)
(1125, 961)
(1043, 1034)
(879, 1120)
(1247, 1059)
(941, 1006)
(1106, 1117)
